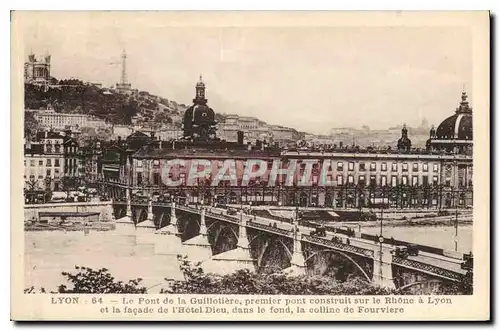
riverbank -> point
(94, 226)
(444, 221)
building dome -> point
(199, 115)
(199, 119)
(459, 125)
(454, 134)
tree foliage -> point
(246, 282)
(87, 280)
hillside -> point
(74, 96)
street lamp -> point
(456, 224)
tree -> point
(87, 280)
(31, 125)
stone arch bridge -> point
(265, 245)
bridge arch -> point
(419, 283)
(223, 229)
(363, 272)
(142, 215)
(163, 220)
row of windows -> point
(405, 180)
(383, 166)
(394, 180)
(48, 163)
(350, 166)
(48, 173)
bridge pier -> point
(382, 266)
(235, 259)
(126, 224)
(168, 238)
(198, 248)
(146, 229)
(298, 265)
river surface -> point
(48, 253)
(442, 236)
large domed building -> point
(454, 134)
(199, 119)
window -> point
(32, 163)
(404, 180)
(373, 181)
(49, 172)
(350, 179)
(394, 181)
(156, 162)
(49, 163)
(40, 162)
(383, 180)
(425, 180)
(49, 148)
(434, 180)
(425, 167)
(57, 148)
(340, 166)
(361, 180)
(373, 166)
(156, 178)
(405, 166)
(351, 166)
(40, 176)
(362, 166)
(340, 180)
(435, 167)
(56, 163)
(394, 167)
(415, 167)
(414, 180)
(384, 166)
(139, 178)
(139, 163)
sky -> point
(309, 78)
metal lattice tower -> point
(124, 68)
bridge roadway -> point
(427, 262)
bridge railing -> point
(419, 266)
(269, 228)
(338, 245)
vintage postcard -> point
(250, 166)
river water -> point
(442, 236)
(48, 253)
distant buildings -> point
(49, 119)
(254, 130)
